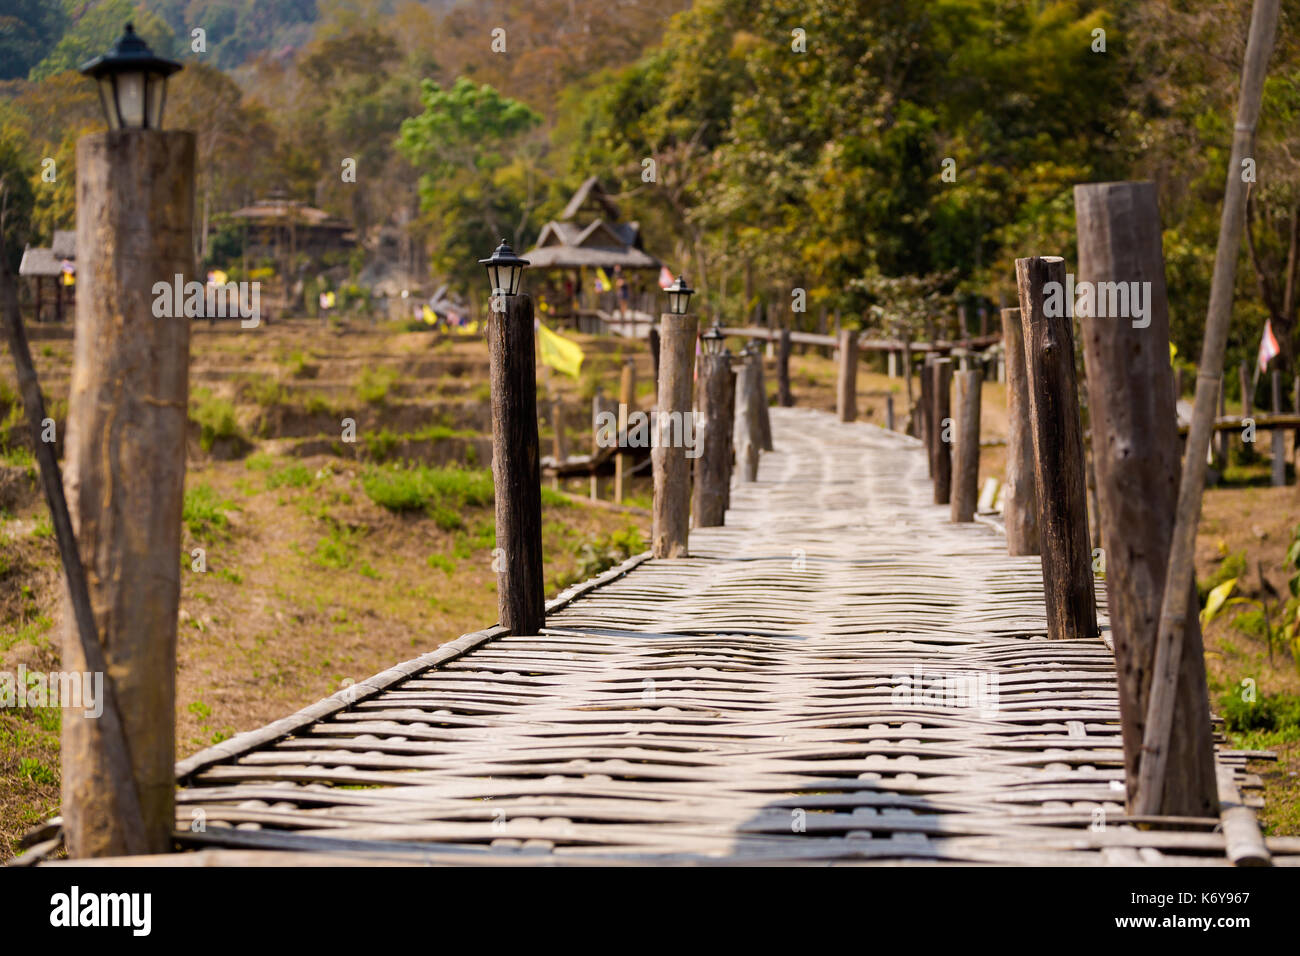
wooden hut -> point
(52, 270)
(589, 236)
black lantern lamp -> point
(679, 296)
(504, 269)
(714, 342)
(132, 82)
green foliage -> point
(204, 512)
(441, 493)
(94, 31)
(373, 384)
(460, 144)
(1278, 713)
(600, 554)
(215, 417)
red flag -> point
(1268, 347)
(665, 277)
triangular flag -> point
(1268, 347)
(559, 353)
(430, 317)
(665, 277)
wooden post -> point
(711, 467)
(1136, 461)
(597, 406)
(521, 592)
(1058, 454)
(731, 430)
(764, 415)
(1020, 490)
(745, 430)
(966, 472)
(1221, 435)
(654, 354)
(125, 475)
(941, 430)
(1247, 404)
(1279, 434)
(626, 399)
(672, 473)
(784, 396)
(559, 449)
(846, 395)
(926, 409)
(907, 375)
(889, 412)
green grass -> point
(441, 561)
(214, 416)
(373, 384)
(204, 512)
(292, 476)
(1265, 722)
(440, 492)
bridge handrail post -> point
(1058, 452)
(965, 474)
(1136, 459)
(672, 474)
(846, 397)
(521, 594)
(941, 429)
(712, 470)
(1020, 488)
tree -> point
(28, 31)
(458, 144)
(94, 32)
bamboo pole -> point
(1174, 609)
(626, 399)
(1279, 434)
(785, 398)
(1058, 454)
(745, 430)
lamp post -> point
(675, 423)
(516, 468)
(135, 214)
(713, 466)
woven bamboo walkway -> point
(749, 704)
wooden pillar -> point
(597, 406)
(966, 470)
(941, 429)
(559, 449)
(58, 298)
(1136, 459)
(626, 399)
(1220, 434)
(926, 409)
(764, 413)
(672, 473)
(846, 394)
(521, 592)
(785, 398)
(889, 412)
(731, 429)
(1020, 489)
(1247, 398)
(654, 354)
(125, 474)
(712, 473)
(745, 431)
(907, 375)
(1279, 434)
(1058, 453)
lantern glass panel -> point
(131, 99)
(157, 94)
(108, 100)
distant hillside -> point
(38, 38)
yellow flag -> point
(602, 281)
(559, 353)
(472, 327)
(430, 317)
